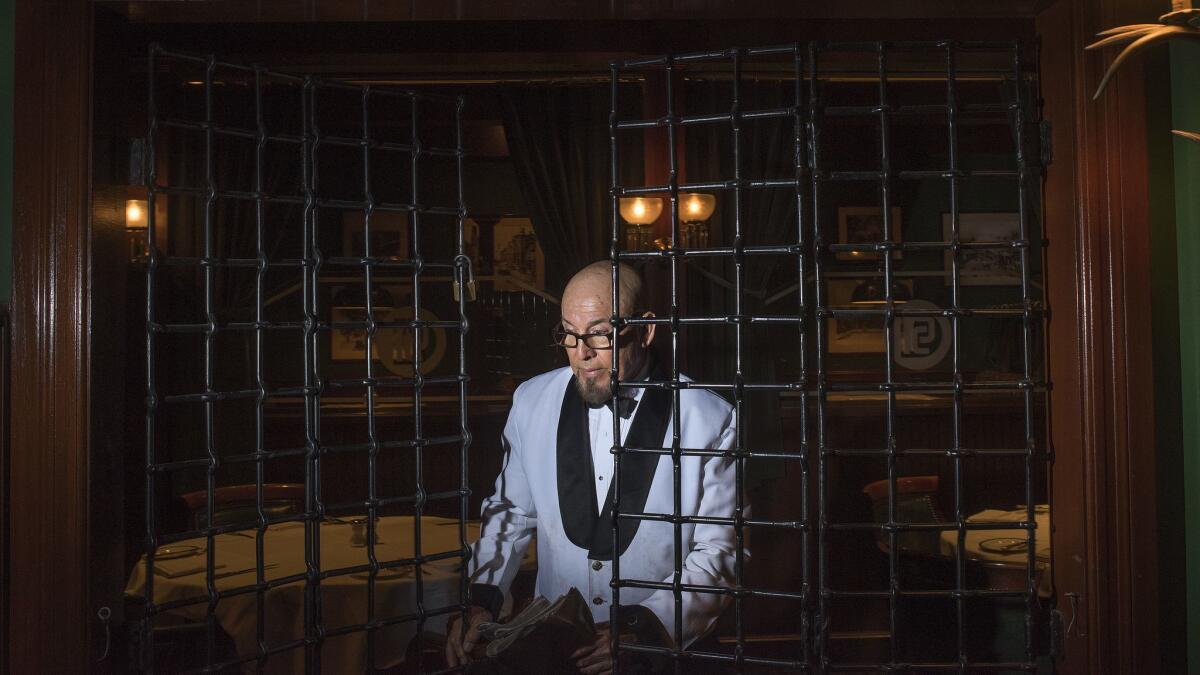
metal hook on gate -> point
(104, 614)
(1074, 598)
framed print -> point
(986, 267)
(855, 336)
(864, 225)
(393, 348)
(518, 262)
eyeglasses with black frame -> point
(567, 339)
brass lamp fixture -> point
(137, 229)
(695, 208)
(639, 213)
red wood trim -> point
(1097, 220)
(1063, 285)
(1116, 368)
(48, 615)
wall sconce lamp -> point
(137, 229)
(639, 213)
(695, 208)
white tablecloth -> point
(1006, 548)
(343, 597)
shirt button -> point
(597, 600)
(599, 477)
(597, 565)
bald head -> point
(586, 312)
(594, 285)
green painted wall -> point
(1168, 411)
(1185, 115)
(6, 146)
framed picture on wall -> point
(864, 225)
(985, 267)
(393, 348)
(518, 261)
(855, 335)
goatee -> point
(594, 393)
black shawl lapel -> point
(576, 491)
(637, 473)
(585, 527)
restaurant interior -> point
(313, 248)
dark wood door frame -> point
(1097, 220)
(48, 612)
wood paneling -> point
(48, 613)
(1097, 220)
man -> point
(557, 478)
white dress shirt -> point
(600, 428)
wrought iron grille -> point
(949, 74)
(387, 123)
(319, 132)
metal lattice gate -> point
(811, 249)
(368, 155)
(203, 108)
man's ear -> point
(648, 336)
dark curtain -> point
(768, 215)
(234, 227)
(559, 141)
(768, 218)
(180, 290)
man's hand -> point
(596, 658)
(460, 644)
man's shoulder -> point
(550, 382)
(704, 402)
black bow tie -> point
(626, 406)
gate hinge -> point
(1046, 144)
(1058, 635)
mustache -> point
(594, 393)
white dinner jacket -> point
(547, 485)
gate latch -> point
(470, 283)
(1045, 138)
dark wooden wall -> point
(1102, 406)
(51, 339)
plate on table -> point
(1004, 545)
(177, 551)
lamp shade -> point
(641, 210)
(135, 214)
(696, 206)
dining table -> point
(1001, 558)
(1002, 554)
(180, 572)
